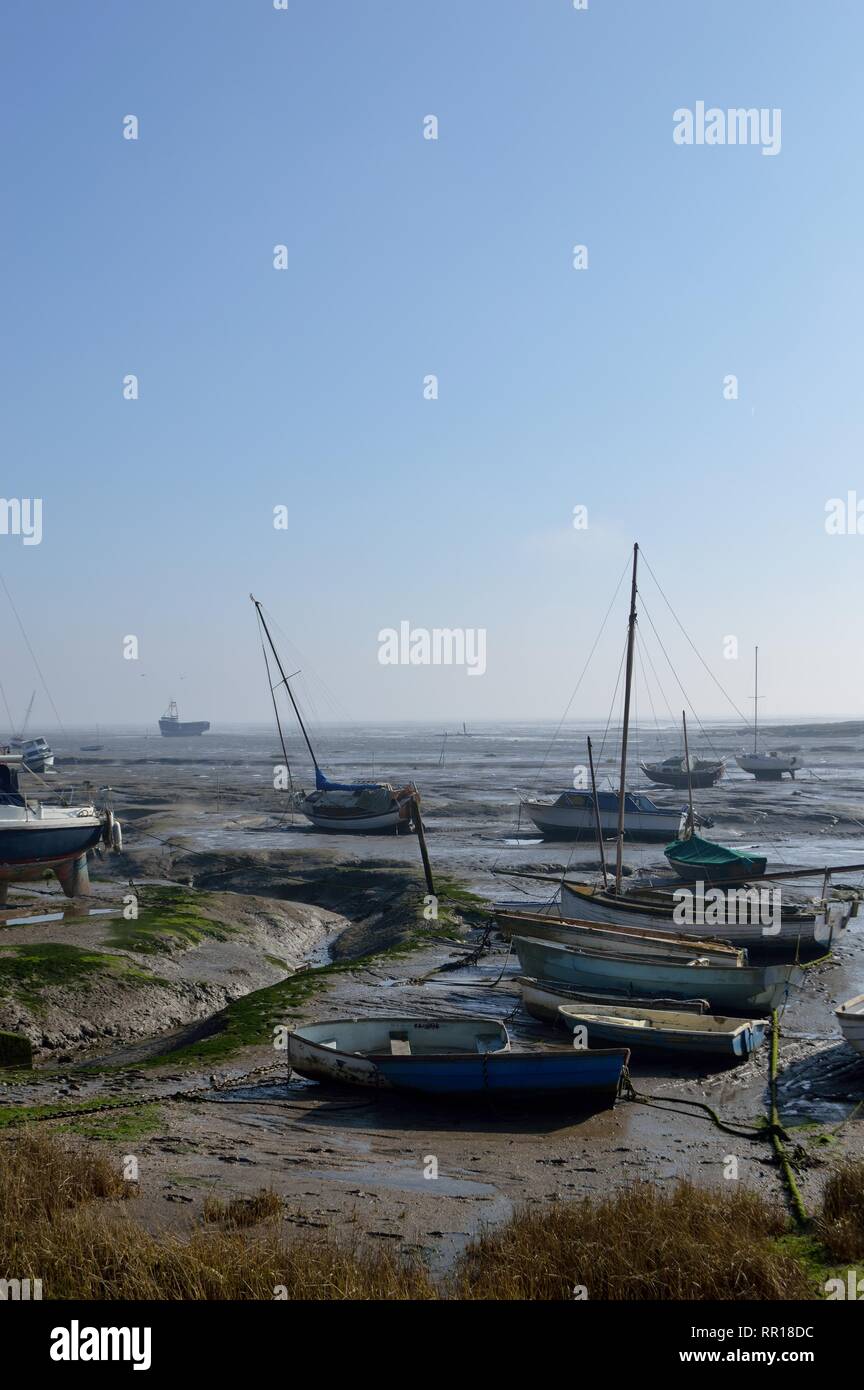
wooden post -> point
(421, 837)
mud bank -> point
(86, 980)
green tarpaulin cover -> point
(697, 851)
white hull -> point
(352, 824)
(665, 1030)
(850, 1017)
(542, 999)
(818, 930)
(578, 822)
(769, 766)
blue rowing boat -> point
(456, 1058)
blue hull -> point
(48, 846)
(521, 1076)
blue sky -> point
(406, 257)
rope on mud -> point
(629, 1092)
(777, 1135)
(773, 1130)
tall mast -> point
(284, 682)
(756, 701)
(690, 820)
(597, 816)
(631, 635)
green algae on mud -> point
(27, 970)
(126, 1124)
(251, 1021)
(169, 918)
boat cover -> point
(695, 850)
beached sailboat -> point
(347, 807)
(579, 815)
(665, 1030)
(572, 816)
(37, 753)
(450, 1058)
(732, 987)
(771, 766)
(682, 772)
(37, 836)
(850, 1017)
(654, 909)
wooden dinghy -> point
(611, 937)
(732, 987)
(452, 1057)
(850, 1016)
(542, 1000)
(665, 1030)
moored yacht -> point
(36, 835)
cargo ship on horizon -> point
(170, 725)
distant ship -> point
(171, 727)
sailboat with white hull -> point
(347, 807)
(578, 815)
(766, 767)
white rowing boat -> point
(665, 1030)
(850, 1016)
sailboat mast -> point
(631, 635)
(285, 683)
(756, 701)
(691, 824)
(597, 816)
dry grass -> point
(840, 1223)
(266, 1205)
(642, 1243)
(63, 1220)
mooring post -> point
(421, 837)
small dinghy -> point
(450, 1057)
(543, 1000)
(850, 1016)
(696, 859)
(665, 1030)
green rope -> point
(777, 1135)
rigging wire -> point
(32, 654)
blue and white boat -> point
(573, 817)
(37, 835)
(665, 1030)
(455, 1058)
(728, 988)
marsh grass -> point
(63, 1220)
(641, 1243)
(840, 1222)
(265, 1205)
